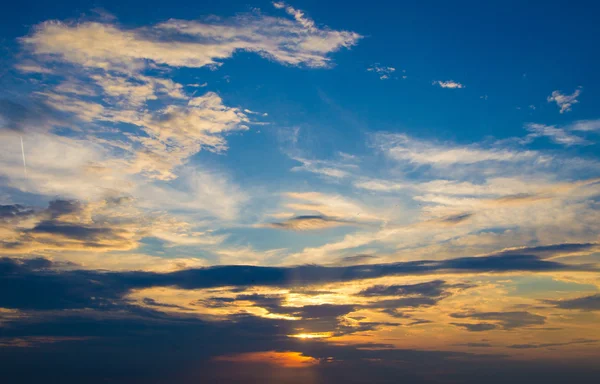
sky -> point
(299, 192)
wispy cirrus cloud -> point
(557, 135)
(567, 135)
(190, 43)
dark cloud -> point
(85, 233)
(508, 320)
(476, 327)
(585, 303)
(74, 288)
(431, 288)
(58, 208)
(153, 303)
(9, 213)
(475, 345)
(61, 226)
(157, 349)
(455, 219)
(406, 302)
(215, 302)
(356, 259)
(550, 345)
(309, 222)
(419, 322)
(546, 251)
(111, 340)
(410, 296)
(395, 312)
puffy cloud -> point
(564, 101)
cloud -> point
(177, 132)
(552, 250)
(109, 77)
(476, 327)
(563, 101)
(308, 222)
(567, 135)
(190, 43)
(557, 135)
(35, 341)
(507, 320)
(550, 345)
(328, 205)
(326, 168)
(357, 259)
(111, 224)
(431, 288)
(585, 126)
(404, 148)
(50, 285)
(585, 303)
(67, 225)
(448, 84)
(384, 73)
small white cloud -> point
(448, 84)
(564, 102)
(383, 72)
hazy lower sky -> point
(303, 192)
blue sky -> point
(367, 140)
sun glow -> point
(316, 335)
(287, 359)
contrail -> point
(23, 152)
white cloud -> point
(403, 148)
(564, 102)
(332, 206)
(190, 43)
(563, 135)
(449, 84)
(383, 72)
(321, 167)
(379, 185)
(557, 135)
(586, 126)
